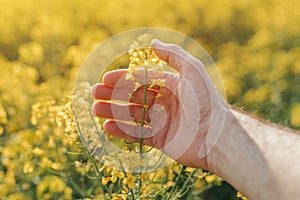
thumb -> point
(187, 65)
(176, 57)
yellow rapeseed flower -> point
(1, 130)
(119, 197)
(3, 116)
(295, 115)
(56, 166)
(37, 151)
(240, 195)
(115, 174)
(28, 167)
(211, 178)
(129, 180)
(105, 180)
(143, 176)
(157, 82)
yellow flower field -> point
(255, 44)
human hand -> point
(186, 117)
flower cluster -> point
(142, 56)
(88, 127)
(65, 118)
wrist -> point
(216, 156)
(238, 158)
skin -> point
(191, 123)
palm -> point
(183, 107)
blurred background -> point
(255, 44)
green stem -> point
(78, 189)
(89, 155)
(98, 172)
(176, 182)
(144, 113)
(142, 129)
(185, 187)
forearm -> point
(261, 161)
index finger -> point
(117, 78)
